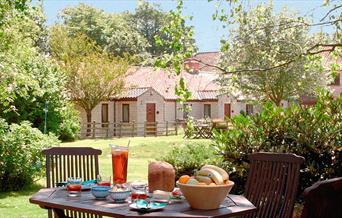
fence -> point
(129, 129)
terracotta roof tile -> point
(135, 92)
(208, 94)
(165, 83)
(211, 58)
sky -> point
(207, 32)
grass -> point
(142, 150)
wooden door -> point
(227, 111)
(151, 112)
(151, 119)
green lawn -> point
(142, 150)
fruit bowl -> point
(205, 197)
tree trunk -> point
(277, 102)
(88, 112)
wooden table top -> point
(58, 199)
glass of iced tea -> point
(103, 181)
(119, 163)
(74, 186)
(138, 191)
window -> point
(125, 113)
(336, 81)
(104, 115)
(249, 109)
(207, 110)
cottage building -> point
(149, 96)
(149, 99)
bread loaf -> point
(161, 176)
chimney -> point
(192, 66)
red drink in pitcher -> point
(119, 164)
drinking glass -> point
(103, 181)
(119, 163)
(138, 191)
(74, 186)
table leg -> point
(59, 213)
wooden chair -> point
(323, 199)
(65, 162)
(272, 183)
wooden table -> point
(58, 200)
(202, 131)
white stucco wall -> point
(236, 106)
(132, 110)
(150, 96)
(170, 111)
(198, 109)
(96, 115)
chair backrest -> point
(323, 199)
(272, 183)
(65, 162)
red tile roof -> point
(210, 58)
(208, 94)
(202, 85)
(165, 83)
(135, 92)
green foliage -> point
(180, 42)
(21, 158)
(124, 33)
(191, 157)
(92, 75)
(19, 6)
(69, 128)
(29, 78)
(113, 33)
(314, 133)
(149, 20)
(87, 20)
(264, 56)
(145, 35)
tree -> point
(29, 79)
(263, 57)
(92, 75)
(125, 33)
(149, 20)
(229, 14)
(87, 20)
(113, 33)
(122, 39)
(182, 47)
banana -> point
(223, 173)
(213, 174)
(207, 180)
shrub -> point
(191, 157)
(69, 127)
(314, 133)
(21, 158)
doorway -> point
(151, 127)
(227, 111)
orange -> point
(184, 179)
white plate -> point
(134, 206)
